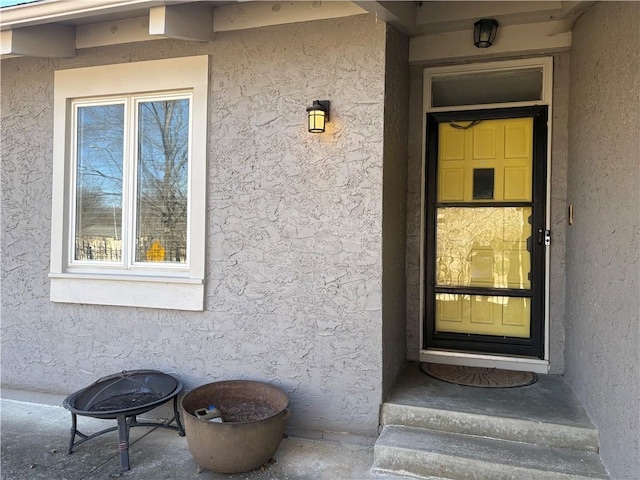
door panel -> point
(503, 146)
(485, 211)
(483, 315)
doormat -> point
(479, 377)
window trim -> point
(152, 288)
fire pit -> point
(122, 397)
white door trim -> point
(523, 364)
(473, 359)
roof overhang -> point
(73, 24)
(440, 31)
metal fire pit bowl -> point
(122, 397)
(253, 415)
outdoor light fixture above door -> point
(484, 32)
(318, 114)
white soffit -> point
(401, 15)
(447, 16)
(531, 38)
(525, 28)
(70, 11)
(109, 22)
(262, 14)
(39, 40)
(191, 21)
(113, 33)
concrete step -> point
(545, 413)
(428, 453)
(548, 433)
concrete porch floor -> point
(35, 438)
(548, 400)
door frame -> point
(533, 346)
(545, 64)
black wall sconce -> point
(484, 32)
(318, 115)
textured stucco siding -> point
(396, 118)
(294, 245)
(558, 211)
(414, 211)
(557, 208)
(603, 285)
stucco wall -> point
(294, 270)
(396, 118)
(603, 285)
(559, 155)
(558, 211)
(414, 212)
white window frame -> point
(179, 287)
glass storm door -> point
(486, 232)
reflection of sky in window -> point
(11, 3)
(100, 152)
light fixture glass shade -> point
(316, 121)
(318, 115)
(484, 32)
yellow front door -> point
(484, 228)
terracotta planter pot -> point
(253, 416)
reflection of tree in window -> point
(483, 246)
(100, 138)
(160, 175)
(163, 153)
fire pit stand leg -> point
(74, 432)
(123, 442)
(176, 416)
(83, 438)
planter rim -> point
(283, 411)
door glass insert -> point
(483, 247)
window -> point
(489, 84)
(129, 184)
(518, 85)
(153, 150)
